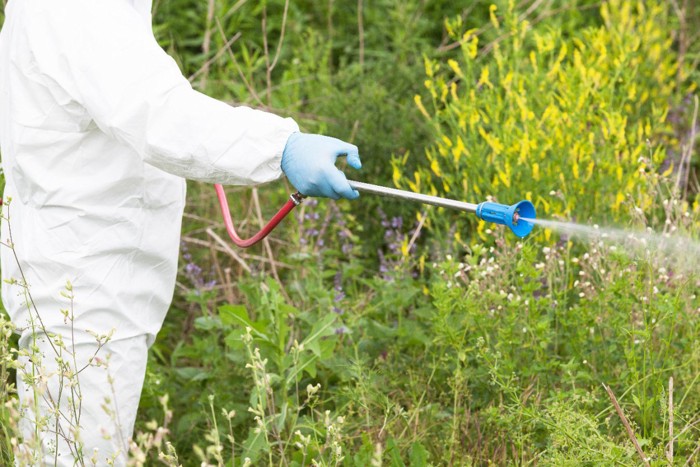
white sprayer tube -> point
(417, 197)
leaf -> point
(193, 373)
(636, 400)
(281, 417)
(363, 456)
(310, 369)
(234, 341)
(306, 363)
(314, 346)
(320, 329)
(207, 323)
(254, 444)
(326, 348)
(232, 315)
(394, 454)
(235, 314)
(418, 456)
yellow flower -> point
(455, 67)
(484, 78)
(589, 170)
(492, 15)
(404, 247)
(459, 149)
(492, 141)
(430, 68)
(533, 60)
(435, 167)
(505, 175)
(668, 171)
(470, 43)
(419, 103)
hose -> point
(294, 201)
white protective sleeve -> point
(105, 57)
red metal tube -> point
(293, 202)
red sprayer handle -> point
(294, 201)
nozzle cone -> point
(514, 216)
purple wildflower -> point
(391, 256)
(339, 292)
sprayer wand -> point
(514, 216)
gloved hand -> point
(308, 161)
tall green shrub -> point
(570, 121)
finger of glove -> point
(352, 153)
(340, 186)
(354, 161)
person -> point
(98, 131)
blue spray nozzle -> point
(513, 216)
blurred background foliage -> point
(437, 340)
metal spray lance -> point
(514, 216)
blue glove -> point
(308, 161)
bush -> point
(571, 119)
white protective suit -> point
(98, 129)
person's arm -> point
(104, 56)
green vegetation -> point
(376, 333)
(582, 113)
